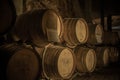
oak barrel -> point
(7, 16)
(113, 54)
(19, 63)
(39, 27)
(102, 56)
(58, 62)
(95, 35)
(75, 31)
(85, 59)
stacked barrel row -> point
(53, 61)
(18, 62)
(77, 31)
(40, 28)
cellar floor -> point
(111, 72)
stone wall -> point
(67, 8)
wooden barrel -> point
(85, 59)
(102, 56)
(19, 63)
(7, 16)
(58, 62)
(95, 34)
(113, 54)
(111, 38)
(39, 27)
(75, 31)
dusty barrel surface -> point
(102, 56)
(39, 27)
(113, 54)
(95, 35)
(111, 38)
(7, 16)
(75, 31)
(85, 59)
(58, 62)
(19, 63)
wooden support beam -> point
(88, 10)
(109, 23)
(102, 12)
